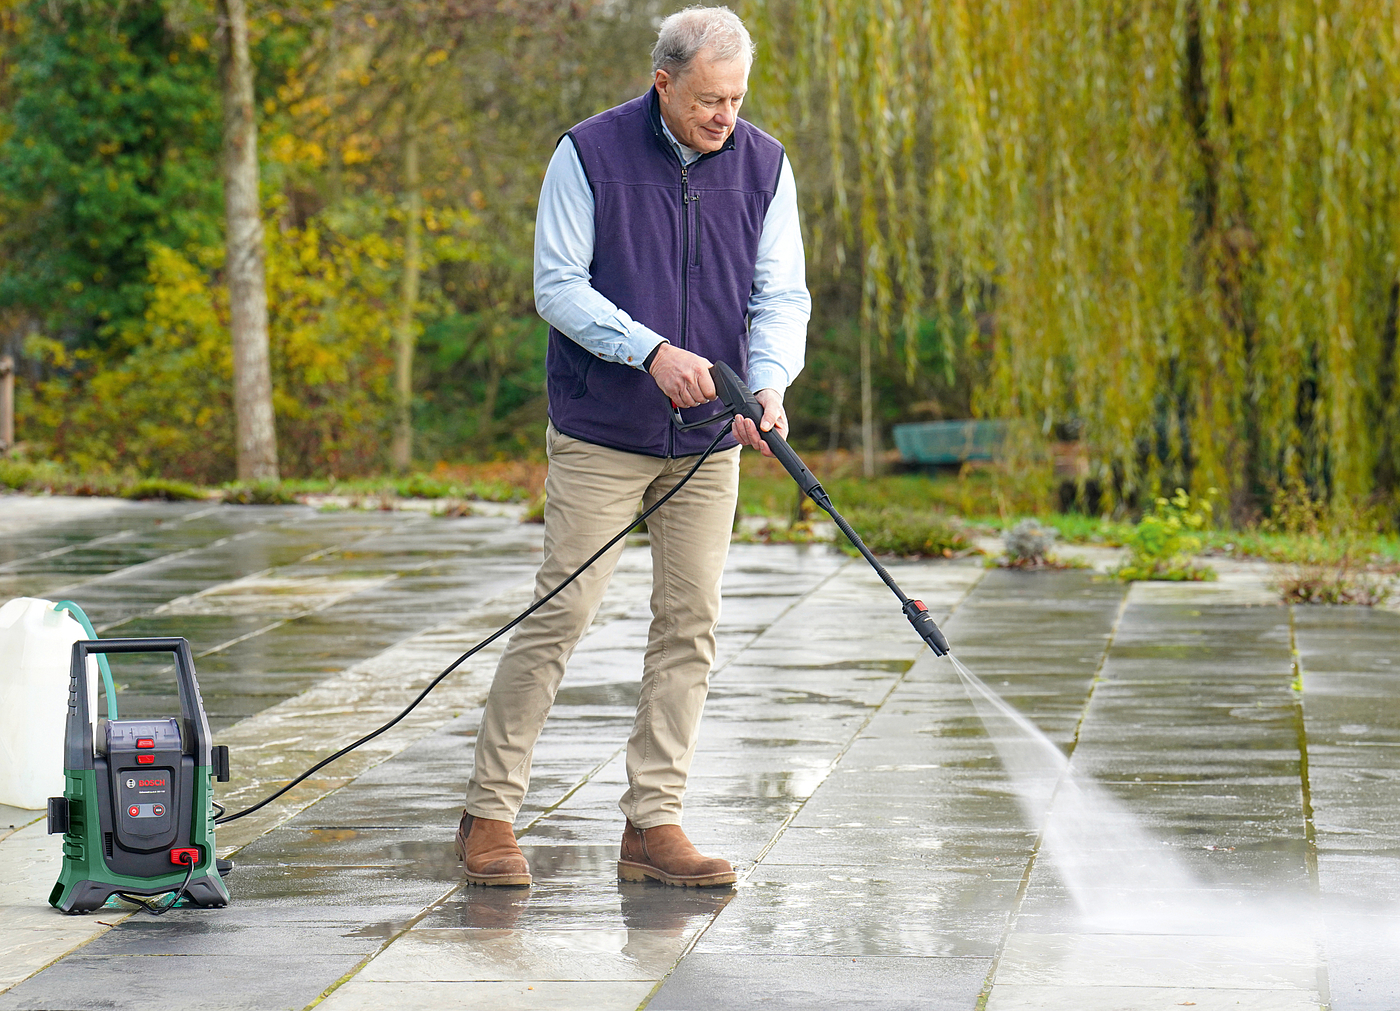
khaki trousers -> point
(591, 493)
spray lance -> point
(739, 401)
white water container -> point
(36, 654)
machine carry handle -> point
(78, 736)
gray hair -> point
(684, 34)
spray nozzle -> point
(927, 628)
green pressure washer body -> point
(137, 811)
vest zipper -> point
(685, 283)
(685, 248)
(695, 229)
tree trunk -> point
(245, 258)
(408, 299)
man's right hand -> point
(682, 376)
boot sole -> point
(630, 870)
(499, 880)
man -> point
(667, 239)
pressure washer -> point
(139, 794)
(137, 811)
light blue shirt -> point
(779, 305)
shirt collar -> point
(688, 156)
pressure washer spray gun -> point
(739, 401)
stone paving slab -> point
(798, 982)
(1349, 660)
(884, 859)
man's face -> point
(701, 104)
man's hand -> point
(773, 417)
(682, 376)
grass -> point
(165, 490)
(977, 493)
(908, 533)
(1333, 584)
(902, 512)
(258, 493)
(505, 481)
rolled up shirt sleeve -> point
(779, 305)
(564, 294)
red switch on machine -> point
(145, 742)
(145, 759)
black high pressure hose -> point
(490, 638)
(738, 401)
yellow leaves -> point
(47, 351)
(354, 153)
(435, 57)
(198, 42)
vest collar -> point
(653, 107)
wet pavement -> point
(884, 860)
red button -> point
(134, 811)
(145, 742)
(146, 759)
(158, 810)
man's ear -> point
(663, 82)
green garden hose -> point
(107, 685)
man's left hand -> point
(774, 417)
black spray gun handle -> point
(739, 401)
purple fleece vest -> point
(675, 249)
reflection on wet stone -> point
(883, 858)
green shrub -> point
(258, 493)
(16, 476)
(1164, 542)
(163, 489)
(423, 486)
(909, 533)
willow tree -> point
(1178, 223)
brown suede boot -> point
(489, 853)
(665, 854)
